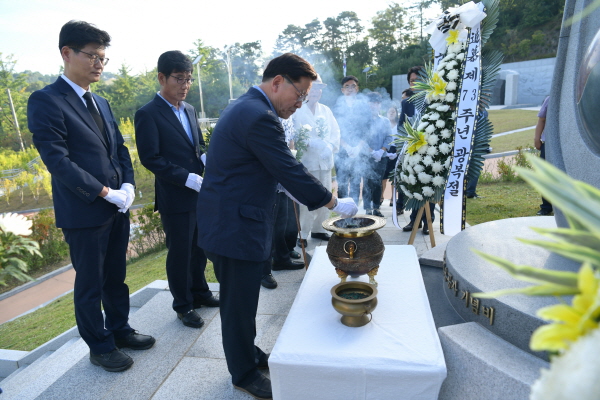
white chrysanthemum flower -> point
(422, 126)
(433, 139)
(441, 73)
(424, 177)
(407, 192)
(450, 98)
(419, 168)
(430, 129)
(432, 151)
(452, 75)
(460, 56)
(437, 166)
(447, 163)
(451, 64)
(440, 123)
(455, 48)
(427, 160)
(441, 65)
(446, 133)
(445, 148)
(410, 170)
(449, 56)
(15, 223)
(416, 158)
(434, 116)
(307, 127)
(418, 196)
(438, 181)
(427, 191)
(294, 152)
(435, 105)
(451, 87)
(443, 108)
(572, 375)
(423, 149)
(412, 179)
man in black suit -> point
(78, 139)
(168, 142)
(248, 157)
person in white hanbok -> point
(323, 142)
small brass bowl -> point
(355, 300)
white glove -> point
(346, 207)
(316, 144)
(391, 156)
(194, 181)
(116, 197)
(130, 190)
(203, 159)
(377, 154)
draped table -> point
(396, 356)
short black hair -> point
(408, 92)
(290, 65)
(350, 78)
(374, 97)
(174, 61)
(413, 70)
(78, 34)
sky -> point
(142, 30)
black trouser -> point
(239, 289)
(372, 183)
(98, 256)
(546, 205)
(186, 261)
(285, 232)
(413, 214)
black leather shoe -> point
(114, 361)
(291, 265)
(259, 389)
(426, 230)
(543, 212)
(377, 213)
(409, 227)
(268, 281)
(473, 196)
(369, 212)
(264, 362)
(212, 301)
(299, 243)
(294, 254)
(399, 211)
(320, 235)
(191, 319)
(135, 341)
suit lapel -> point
(169, 115)
(75, 101)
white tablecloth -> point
(396, 356)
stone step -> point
(31, 381)
(481, 365)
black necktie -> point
(95, 114)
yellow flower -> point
(570, 322)
(416, 142)
(437, 87)
(452, 37)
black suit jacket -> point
(165, 149)
(77, 155)
(248, 156)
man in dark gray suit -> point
(248, 157)
(92, 185)
(168, 142)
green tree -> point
(17, 84)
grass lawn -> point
(500, 200)
(509, 120)
(34, 329)
(504, 143)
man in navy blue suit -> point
(168, 142)
(78, 139)
(248, 157)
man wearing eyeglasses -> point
(248, 157)
(78, 139)
(169, 144)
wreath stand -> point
(415, 228)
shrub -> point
(506, 171)
(147, 234)
(51, 240)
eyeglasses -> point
(94, 58)
(350, 86)
(302, 96)
(181, 81)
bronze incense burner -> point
(355, 248)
